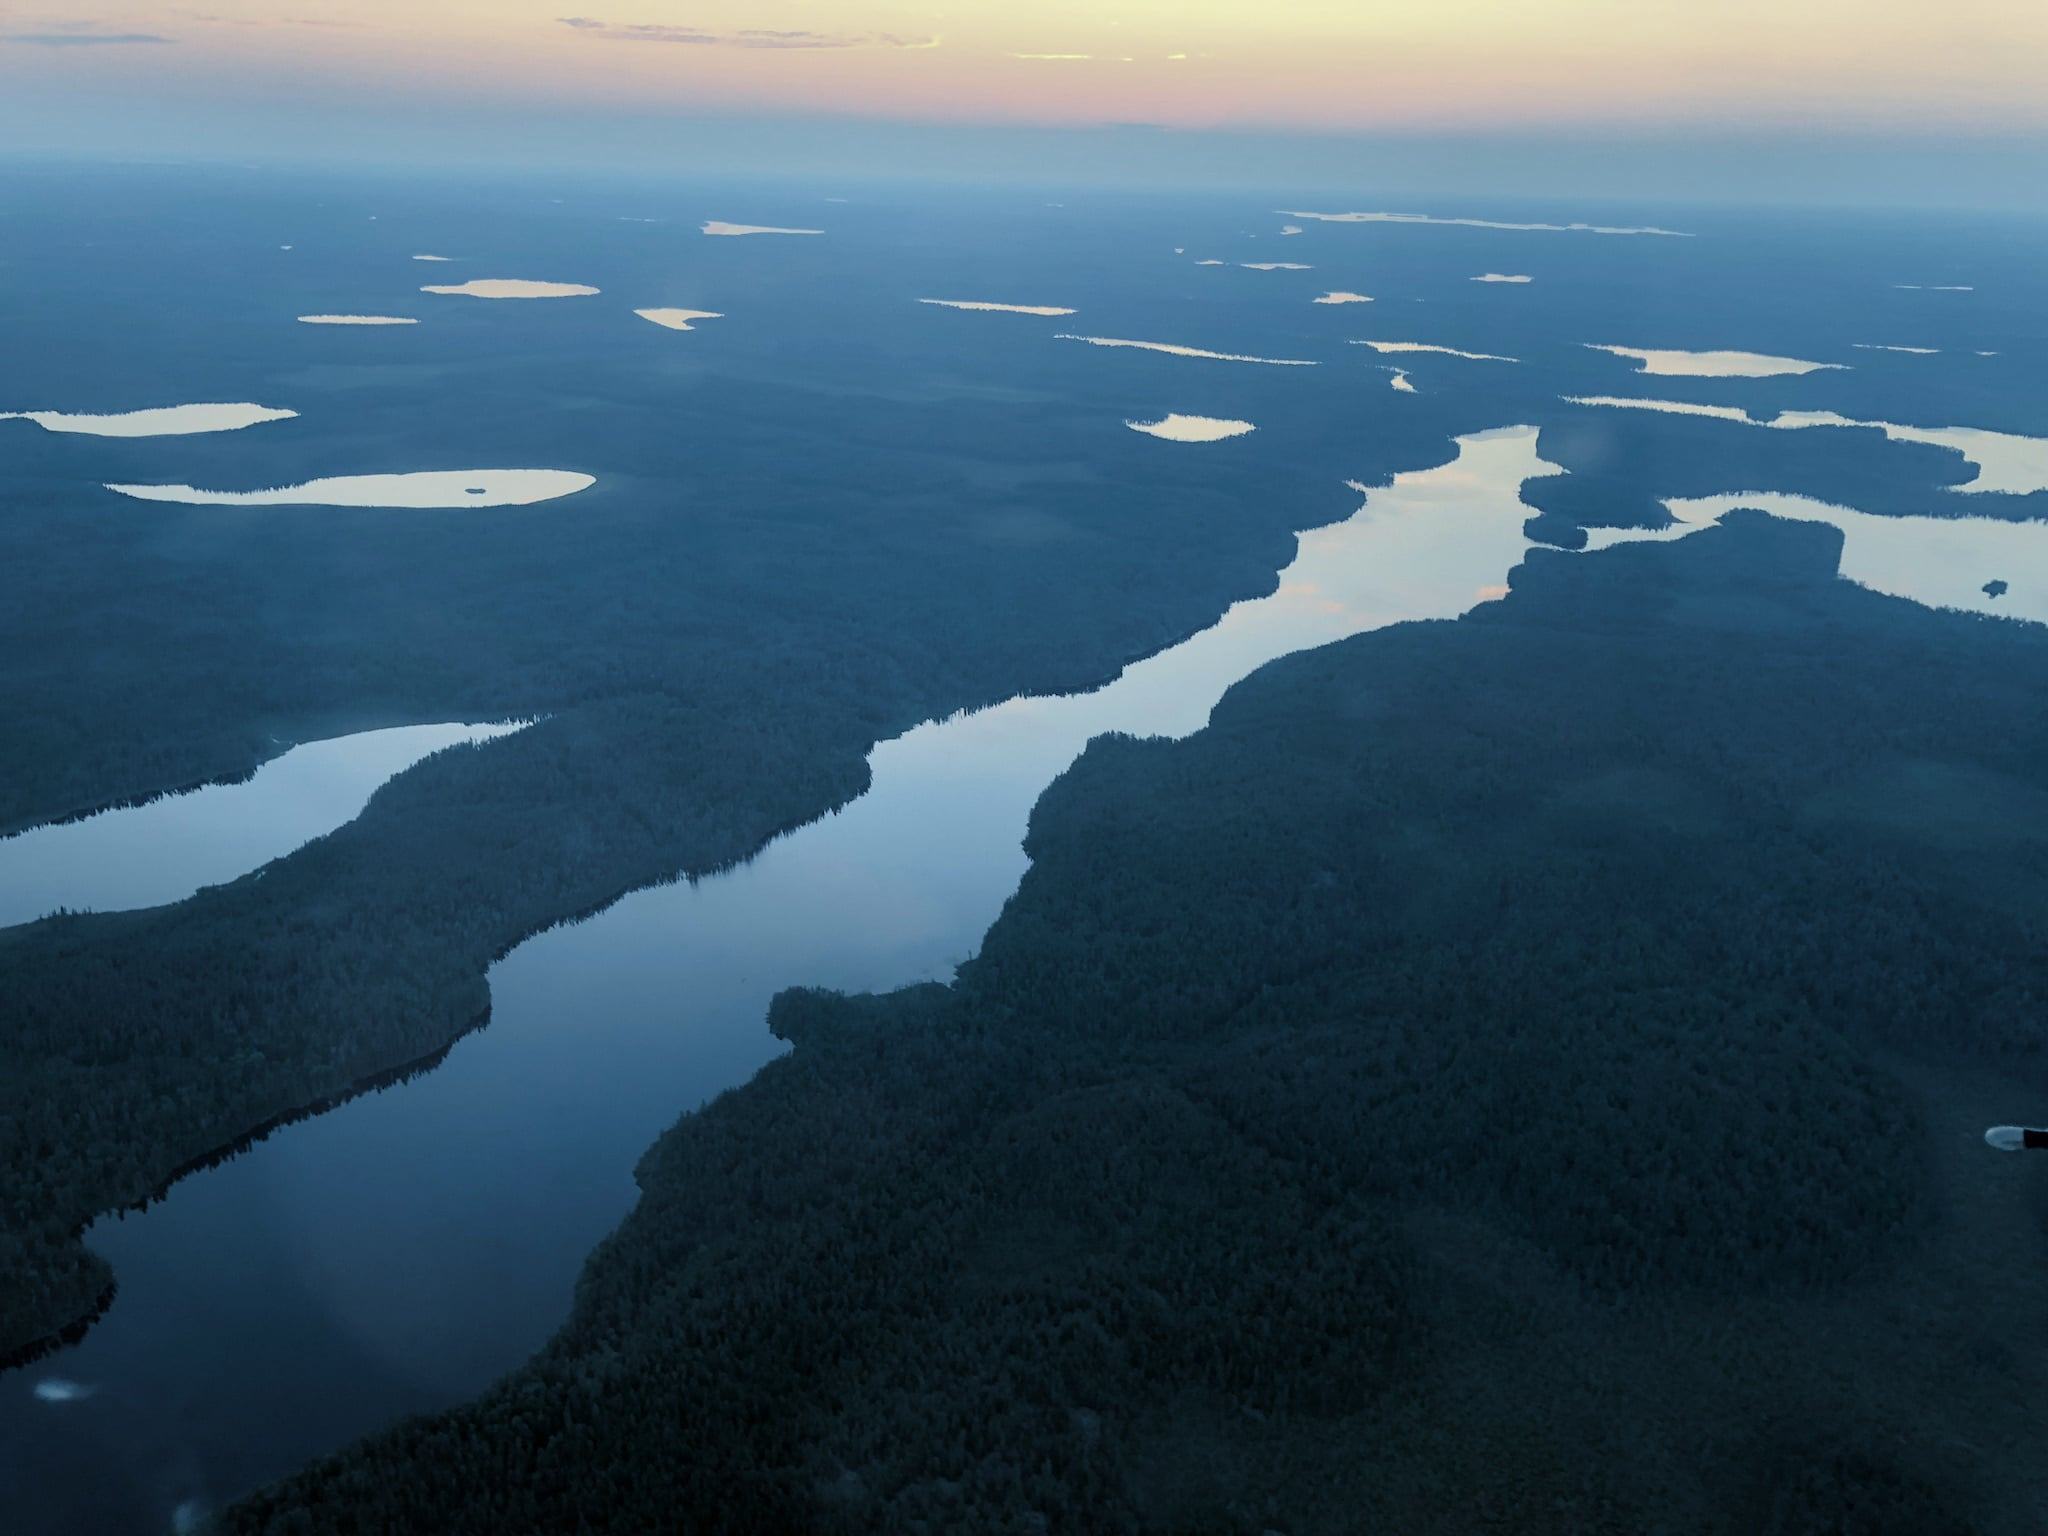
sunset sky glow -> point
(1818, 67)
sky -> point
(1829, 88)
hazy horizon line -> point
(1976, 171)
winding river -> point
(403, 1251)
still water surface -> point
(167, 848)
(1945, 562)
(420, 488)
(403, 1251)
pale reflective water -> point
(1425, 218)
(156, 421)
(678, 319)
(1175, 427)
(2006, 463)
(402, 1251)
(511, 288)
(1175, 349)
(1430, 346)
(425, 488)
(721, 227)
(1944, 562)
(1673, 362)
(992, 306)
(164, 850)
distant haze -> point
(1855, 100)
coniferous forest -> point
(1523, 1072)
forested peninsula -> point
(1524, 1072)
(746, 656)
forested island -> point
(1518, 1072)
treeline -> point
(1622, 464)
(139, 1042)
(802, 521)
(711, 674)
(1498, 1075)
(778, 566)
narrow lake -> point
(405, 1250)
(165, 849)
